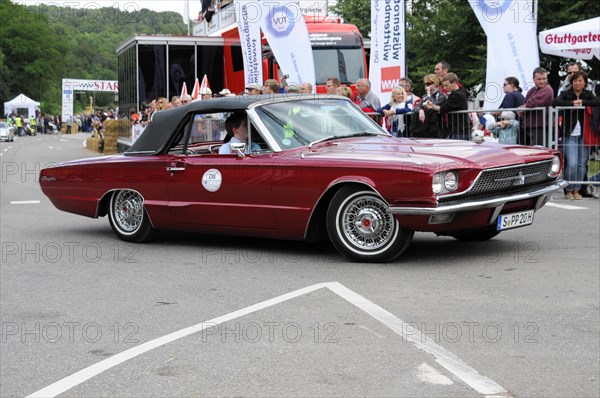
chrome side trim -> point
(482, 204)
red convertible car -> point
(312, 167)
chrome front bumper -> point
(541, 194)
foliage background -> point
(40, 45)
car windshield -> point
(299, 123)
(3, 125)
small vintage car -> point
(312, 167)
(7, 132)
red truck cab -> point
(338, 51)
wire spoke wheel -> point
(128, 218)
(367, 224)
(128, 210)
(361, 227)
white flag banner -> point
(510, 26)
(248, 15)
(284, 28)
(388, 48)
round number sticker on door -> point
(211, 180)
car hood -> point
(442, 153)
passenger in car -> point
(237, 128)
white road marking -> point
(566, 207)
(6, 149)
(24, 202)
(446, 359)
(50, 147)
(429, 374)
(451, 362)
(79, 377)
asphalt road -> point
(448, 319)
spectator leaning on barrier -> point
(186, 99)
(175, 101)
(407, 84)
(253, 88)
(306, 88)
(366, 100)
(566, 84)
(345, 91)
(395, 112)
(332, 85)
(507, 129)
(426, 122)
(459, 124)
(512, 93)
(576, 152)
(541, 95)
(293, 88)
(271, 86)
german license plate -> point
(514, 220)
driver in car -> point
(237, 131)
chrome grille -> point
(505, 180)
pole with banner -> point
(512, 49)
(388, 47)
(247, 13)
(284, 28)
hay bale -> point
(117, 128)
(92, 144)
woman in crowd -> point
(396, 111)
(513, 97)
(574, 147)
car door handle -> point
(175, 168)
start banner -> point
(388, 47)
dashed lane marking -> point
(451, 362)
(24, 202)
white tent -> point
(579, 40)
(21, 101)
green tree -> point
(356, 12)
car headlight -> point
(451, 181)
(444, 182)
(555, 168)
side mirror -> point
(238, 147)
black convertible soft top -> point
(165, 123)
